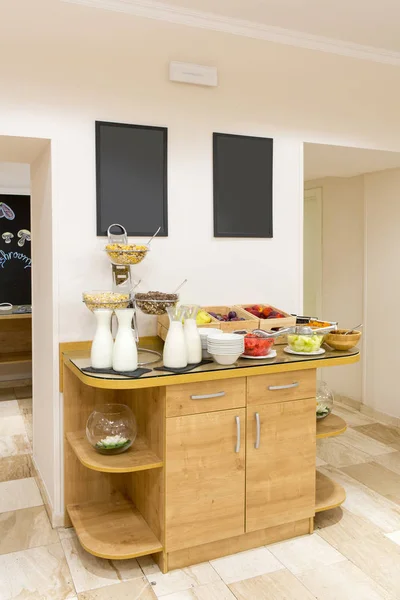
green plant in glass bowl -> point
(111, 428)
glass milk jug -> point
(125, 355)
(175, 353)
(192, 336)
(102, 346)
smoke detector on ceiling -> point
(194, 74)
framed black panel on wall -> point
(131, 178)
(242, 186)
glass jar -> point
(111, 428)
(325, 399)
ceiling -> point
(338, 161)
(372, 24)
(367, 22)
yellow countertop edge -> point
(193, 377)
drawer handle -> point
(237, 449)
(258, 431)
(274, 388)
(208, 396)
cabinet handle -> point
(237, 449)
(258, 431)
(274, 388)
(208, 396)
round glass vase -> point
(324, 400)
(111, 428)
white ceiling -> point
(367, 22)
(338, 161)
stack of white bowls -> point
(225, 348)
(204, 333)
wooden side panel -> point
(280, 474)
(15, 335)
(281, 387)
(186, 399)
(254, 539)
(205, 478)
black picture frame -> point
(220, 181)
(163, 217)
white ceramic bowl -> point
(225, 359)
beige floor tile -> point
(18, 494)
(319, 462)
(35, 574)
(382, 433)
(364, 443)
(137, 589)
(378, 557)
(333, 452)
(394, 537)
(12, 425)
(9, 408)
(352, 417)
(11, 445)
(25, 404)
(390, 461)
(245, 565)
(343, 581)
(282, 585)
(7, 394)
(182, 579)
(148, 566)
(27, 528)
(340, 525)
(66, 533)
(89, 572)
(376, 477)
(210, 591)
(16, 467)
(366, 503)
(23, 391)
(305, 553)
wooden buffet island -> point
(15, 338)
(224, 460)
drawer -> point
(207, 396)
(281, 387)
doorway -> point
(312, 253)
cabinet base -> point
(240, 543)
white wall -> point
(70, 65)
(343, 268)
(382, 205)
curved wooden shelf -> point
(328, 494)
(330, 426)
(114, 530)
(139, 457)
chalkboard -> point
(15, 249)
(131, 177)
(242, 186)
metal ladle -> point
(153, 236)
(179, 286)
(354, 328)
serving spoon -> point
(351, 330)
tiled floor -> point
(354, 553)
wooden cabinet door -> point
(280, 472)
(205, 478)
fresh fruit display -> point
(264, 312)
(257, 345)
(203, 318)
(319, 324)
(305, 342)
(231, 316)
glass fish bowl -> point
(111, 428)
(325, 399)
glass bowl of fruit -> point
(304, 340)
(257, 345)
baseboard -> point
(56, 519)
(12, 383)
(380, 417)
